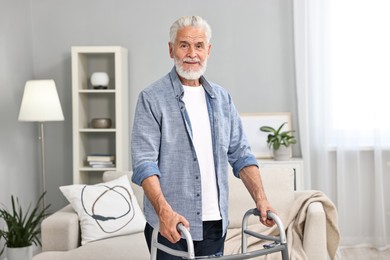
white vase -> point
(19, 253)
(283, 153)
(99, 80)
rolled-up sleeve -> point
(239, 153)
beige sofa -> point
(61, 231)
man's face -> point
(190, 52)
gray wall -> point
(18, 141)
(252, 56)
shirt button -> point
(195, 159)
(197, 213)
(197, 177)
(197, 195)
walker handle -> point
(181, 228)
(187, 235)
(270, 215)
(256, 212)
(190, 254)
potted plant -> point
(23, 228)
(279, 141)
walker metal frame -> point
(279, 242)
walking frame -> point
(279, 242)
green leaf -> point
(277, 137)
(267, 129)
(23, 227)
(280, 128)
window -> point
(358, 66)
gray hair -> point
(195, 21)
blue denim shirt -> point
(162, 145)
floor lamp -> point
(40, 103)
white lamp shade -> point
(40, 102)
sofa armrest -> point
(61, 231)
(314, 237)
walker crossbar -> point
(280, 243)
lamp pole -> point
(43, 168)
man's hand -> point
(264, 207)
(168, 225)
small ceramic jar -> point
(100, 80)
(101, 123)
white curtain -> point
(342, 51)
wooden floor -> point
(363, 253)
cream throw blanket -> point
(294, 223)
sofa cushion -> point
(138, 191)
(105, 210)
(129, 247)
(278, 185)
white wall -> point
(252, 56)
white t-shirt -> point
(195, 101)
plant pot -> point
(18, 253)
(283, 153)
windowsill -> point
(358, 148)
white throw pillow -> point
(105, 210)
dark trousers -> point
(211, 245)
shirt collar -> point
(178, 88)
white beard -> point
(190, 74)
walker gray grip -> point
(180, 227)
(256, 212)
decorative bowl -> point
(100, 80)
(101, 123)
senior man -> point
(186, 131)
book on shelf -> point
(99, 162)
(102, 165)
(101, 157)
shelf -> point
(89, 103)
(90, 169)
(95, 130)
(96, 105)
(97, 91)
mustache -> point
(191, 60)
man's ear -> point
(209, 50)
(170, 49)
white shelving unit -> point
(294, 163)
(89, 103)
